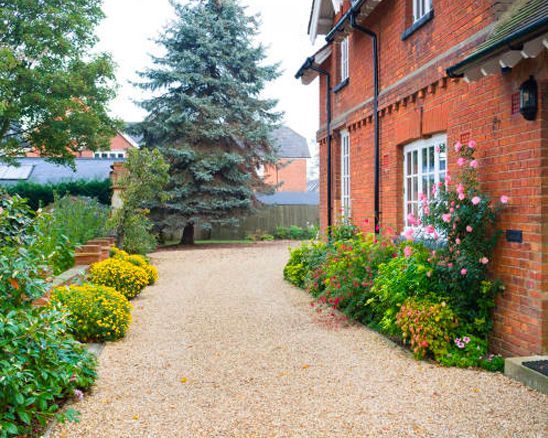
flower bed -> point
(431, 289)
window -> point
(425, 164)
(345, 174)
(344, 60)
(421, 8)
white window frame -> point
(345, 63)
(345, 174)
(415, 176)
(421, 8)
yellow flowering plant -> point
(123, 276)
(96, 313)
(137, 260)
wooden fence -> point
(266, 220)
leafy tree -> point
(207, 116)
(52, 97)
(146, 175)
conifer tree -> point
(207, 115)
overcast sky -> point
(131, 24)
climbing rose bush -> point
(464, 219)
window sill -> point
(417, 25)
(341, 85)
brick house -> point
(119, 145)
(447, 71)
(289, 173)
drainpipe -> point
(329, 159)
(373, 35)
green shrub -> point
(97, 313)
(349, 271)
(40, 365)
(40, 195)
(400, 278)
(138, 238)
(471, 351)
(303, 261)
(428, 327)
(123, 276)
(295, 232)
(68, 222)
(266, 237)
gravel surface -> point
(223, 347)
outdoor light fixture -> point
(528, 99)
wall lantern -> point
(528, 99)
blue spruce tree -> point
(207, 115)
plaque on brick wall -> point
(514, 236)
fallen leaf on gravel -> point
(184, 380)
(136, 417)
(305, 366)
(476, 389)
(282, 374)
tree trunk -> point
(188, 235)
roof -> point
(290, 144)
(291, 198)
(523, 21)
(38, 170)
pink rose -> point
(474, 164)
(462, 196)
(407, 251)
(449, 265)
(463, 271)
(504, 199)
(446, 217)
(472, 144)
(457, 241)
(430, 229)
(460, 188)
(476, 200)
(458, 146)
(437, 149)
(409, 233)
(484, 260)
(426, 210)
(451, 210)
(466, 339)
(461, 161)
(469, 228)
(411, 219)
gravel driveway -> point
(223, 347)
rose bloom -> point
(430, 229)
(476, 200)
(409, 233)
(472, 144)
(463, 271)
(461, 161)
(407, 251)
(504, 199)
(446, 217)
(457, 241)
(469, 228)
(462, 196)
(458, 146)
(474, 164)
(484, 260)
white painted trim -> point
(346, 203)
(418, 146)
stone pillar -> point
(117, 174)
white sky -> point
(131, 24)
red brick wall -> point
(512, 152)
(290, 173)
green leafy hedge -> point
(40, 195)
